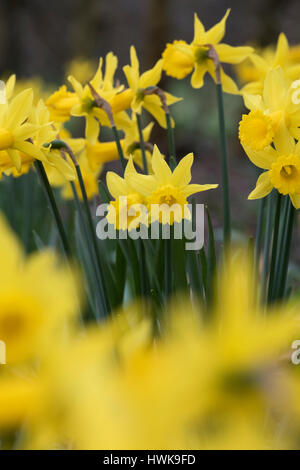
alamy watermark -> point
(158, 221)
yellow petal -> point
(150, 104)
(274, 89)
(233, 55)
(116, 185)
(19, 109)
(15, 157)
(160, 167)
(152, 76)
(215, 34)
(199, 30)
(97, 79)
(197, 188)
(29, 149)
(282, 50)
(261, 158)
(197, 79)
(263, 187)
(9, 87)
(76, 86)
(129, 168)
(91, 129)
(131, 77)
(134, 60)
(283, 141)
(143, 184)
(147, 131)
(182, 174)
(253, 102)
(62, 166)
(295, 198)
(111, 64)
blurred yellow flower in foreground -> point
(181, 58)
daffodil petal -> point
(155, 110)
(152, 76)
(261, 158)
(160, 167)
(15, 157)
(91, 129)
(197, 79)
(197, 188)
(233, 55)
(143, 184)
(116, 185)
(19, 109)
(295, 198)
(29, 149)
(274, 89)
(182, 174)
(263, 187)
(215, 34)
(199, 30)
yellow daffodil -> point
(166, 189)
(258, 128)
(126, 199)
(254, 70)
(15, 130)
(103, 152)
(181, 58)
(139, 83)
(282, 164)
(60, 104)
(104, 87)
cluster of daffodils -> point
(138, 343)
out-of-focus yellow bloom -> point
(15, 130)
(282, 162)
(181, 58)
(31, 317)
(60, 104)
(127, 210)
(168, 190)
(103, 152)
(80, 68)
(258, 128)
(254, 70)
(138, 83)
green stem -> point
(106, 305)
(285, 255)
(119, 147)
(259, 232)
(101, 300)
(51, 200)
(171, 139)
(142, 144)
(274, 248)
(168, 264)
(267, 245)
(225, 178)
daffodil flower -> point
(139, 83)
(257, 66)
(282, 164)
(166, 188)
(104, 87)
(258, 128)
(15, 130)
(181, 58)
(60, 104)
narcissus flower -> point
(258, 128)
(181, 58)
(104, 86)
(256, 67)
(282, 162)
(127, 211)
(139, 83)
(15, 130)
(168, 191)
